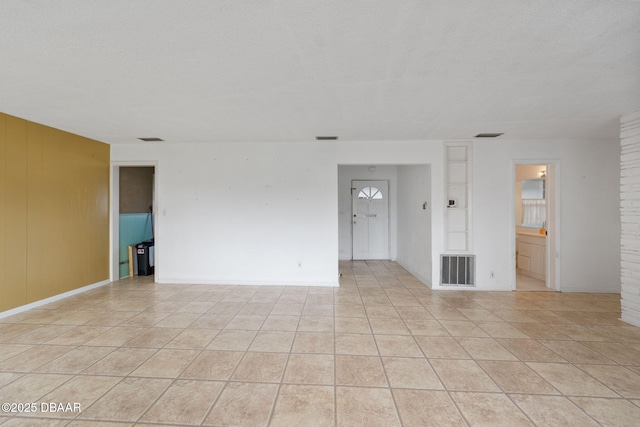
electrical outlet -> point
(492, 275)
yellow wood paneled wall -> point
(54, 212)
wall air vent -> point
(151, 139)
(458, 270)
(326, 138)
(488, 135)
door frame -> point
(553, 247)
(114, 215)
(388, 199)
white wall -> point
(589, 231)
(630, 217)
(249, 212)
(348, 173)
(414, 221)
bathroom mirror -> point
(533, 188)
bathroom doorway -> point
(535, 226)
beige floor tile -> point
(485, 349)
(31, 387)
(227, 307)
(211, 321)
(501, 330)
(120, 362)
(42, 334)
(76, 360)
(515, 316)
(243, 404)
(360, 371)
(516, 377)
(232, 340)
(350, 308)
(463, 328)
(358, 406)
(82, 389)
(463, 375)
(128, 400)
(34, 422)
(440, 411)
(8, 377)
(272, 341)
(166, 363)
(195, 339)
(145, 320)
(530, 350)
(552, 411)
(153, 337)
(261, 367)
(246, 322)
(352, 325)
(78, 335)
(388, 326)
(356, 344)
(540, 331)
(116, 336)
(570, 380)
(280, 323)
(213, 365)
(397, 345)
(489, 409)
(320, 310)
(315, 324)
(414, 312)
(404, 372)
(257, 308)
(313, 342)
(441, 347)
(609, 412)
(382, 312)
(307, 405)
(287, 309)
(10, 350)
(426, 327)
(479, 315)
(177, 320)
(184, 402)
(575, 352)
(446, 312)
(310, 369)
(579, 333)
(34, 357)
(617, 352)
(618, 378)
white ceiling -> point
(288, 70)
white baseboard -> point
(177, 281)
(54, 298)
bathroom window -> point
(370, 193)
(534, 212)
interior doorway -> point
(535, 226)
(370, 219)
(133, 206)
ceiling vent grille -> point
(458, 270)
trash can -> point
(145, 257)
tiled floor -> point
(527, 283)
(381, 350)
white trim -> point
(183, 281)
(553, 189)
(54, 298)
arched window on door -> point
(370, 193)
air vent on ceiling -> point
(458, 270)
(326, 138)
(151, 139)
(488, 135)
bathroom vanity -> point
(531, 255)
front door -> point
(370, 219)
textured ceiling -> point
(249, 70)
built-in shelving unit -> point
(458, 190)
